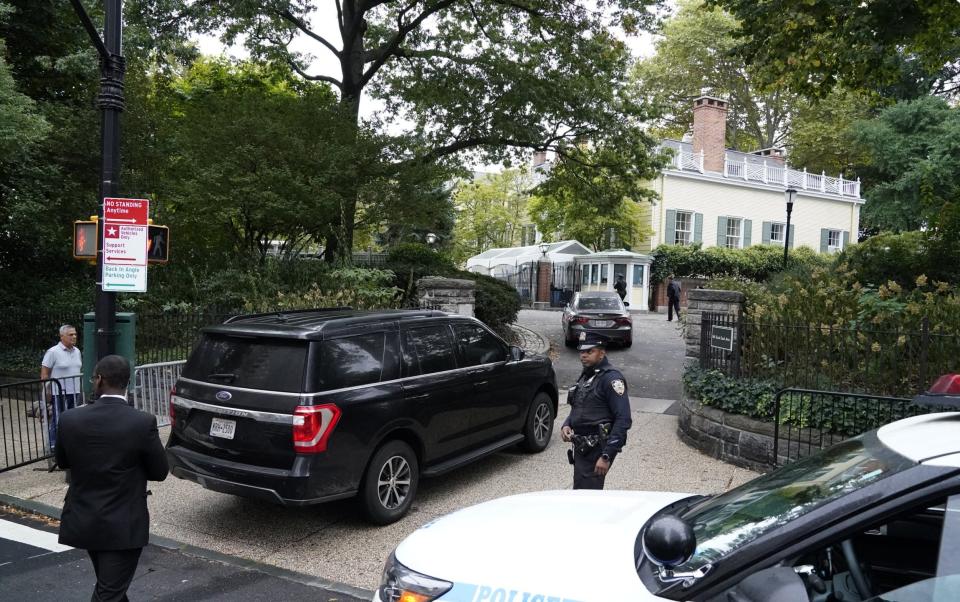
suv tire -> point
(390, 483)
(539, 426)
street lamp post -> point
(543, 248)
(111, 103)
(790, 194)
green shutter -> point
(747, 233)
(824, 239)
(793, 235)
(767, 227)
(670, 230)
(846, 239)
(698, 227)
(721, 231)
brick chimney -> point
(709, 131)
(774, 155)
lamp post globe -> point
(543, 248)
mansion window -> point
(777, 233)
(684, 231)
(834, 241)
(734, 233)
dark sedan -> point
(600, 312)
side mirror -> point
(516, 353)
(669, 541)
(626, 304)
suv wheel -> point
(539, 426)
(390, 483)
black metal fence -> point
(25, 416)
(827, 357)
(808, 420)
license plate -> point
(602, 323)
(222, 428)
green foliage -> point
(695, 56)
(897, 257)
(902, 47)
(821, 134)
(755, 263)
(587, 208)
(491, 212)
(913, 169)
(497, 303)
(747, 396)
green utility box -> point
(125, 345)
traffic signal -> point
(85, 240)
(158, 244)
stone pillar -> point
(701, 301)
(544, 278)
(450, 294)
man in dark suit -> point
(112, 450)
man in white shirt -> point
(64, 362)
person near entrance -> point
(599, 417)
(63, 362)
(112, 450)
(673, 298)
(621, 287)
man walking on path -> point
(64, 362)
(673, 298)
(112, 450)
(599, 416)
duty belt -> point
(584, 443)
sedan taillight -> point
(580, 320)
(312, 427)
(623, 321)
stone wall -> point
(733, 438)
(702, 300)
(452, 295)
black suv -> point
(303, 407)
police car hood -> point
(563, 545)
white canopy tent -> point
(505, 262)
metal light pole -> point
(110, 101)
(790, 194)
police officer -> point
(599, 417)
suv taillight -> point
(172, 410)
(312, 426)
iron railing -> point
(808, 420)
(894, 363)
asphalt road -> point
(652, 366)
(33, 566)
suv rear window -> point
(351, 361)
(267, 364)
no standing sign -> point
(125, 244)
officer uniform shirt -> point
(611, 387)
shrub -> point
(497, 303)
(748, 396)
(757, 263)
(885, 257)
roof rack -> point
(286, 312)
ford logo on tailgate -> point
(224, 395)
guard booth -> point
(599, 271)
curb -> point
(191, 550)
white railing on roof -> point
(771, 172)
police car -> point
(876, 515)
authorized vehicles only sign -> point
(125, 244)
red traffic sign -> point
(132, 212)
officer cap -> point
(589, 340)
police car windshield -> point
(733, 519)
(599, 303)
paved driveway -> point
(332, 542)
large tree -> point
(491, 211)
(913, 151)
(695, 56)
(898, 48)
(484, 81)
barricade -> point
(152, 385)
(26, 413)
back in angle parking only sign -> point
(721, 337)
(125, 245)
